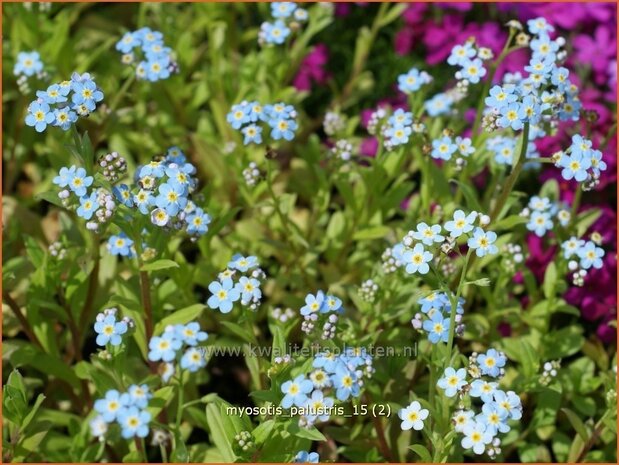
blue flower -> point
(28, 64)
(491, 363)
(438, 105)
(464, 146)
(138, 396)
(428, 234)
(571, 246)
(238, 115)
(476, 437)
(296, 391)
(398, 135)
(530, 110)
(224, 294)
(413, 416)
(483, 389)
(86, 92)
(79, 182)
(510, 117)
(411, 81)
(153, 168)
(120, 245)
(461, 223)
(63, 118)
(575, 166)
(111, 406)
(253, 134)
(197, 222)
(483, 242)
(123, 195)
(539, 223)
(313, 303)
(53, 94)
(65, 175)
(500, 97)
(544, 48)
(509, 402)
(39, 116)
(401, 118)
(306, 457)
(283, 128)
(329, 361)
(193, 360)
(452, 381)
(538, 26)
(128, 42)
(171, 198)
(282, 9)
(331, 304)
(249, 289)
(590, 256)
(437, 327)
(157, 68)
(190, 333)
(318, 403)
(274, 33)
(494, 418)
(473, 70)
(109, 330)
(143, 200)
(417, 260)
(243, 264)
(461, 54)
(443, 148)
(345, 382)
(88, 206)
(134, 422)
(163, 348)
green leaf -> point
(160, 399)
(422, 452)
(239, 331)
(307, 433)
(32, 413)
(375, 232)
(180, 317)
(550, 280)
(577, 424)
(157, 265)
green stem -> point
(179, 410)
(513, 176)
(575, 206)
(454, 306)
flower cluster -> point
(368, 290)
(470, 60)
(588, 253)
(62, 103)
(321, 304)
(241, 280)
(342, 373)
(541, 211)
(158, 61)
(280, 118)
(411, 252)
(128, 410)
(580, 161)
(480, 430)
(287, 16)
(445, 147)
(168, 348)
(109, 330)
(546, 91)
(435, 314)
